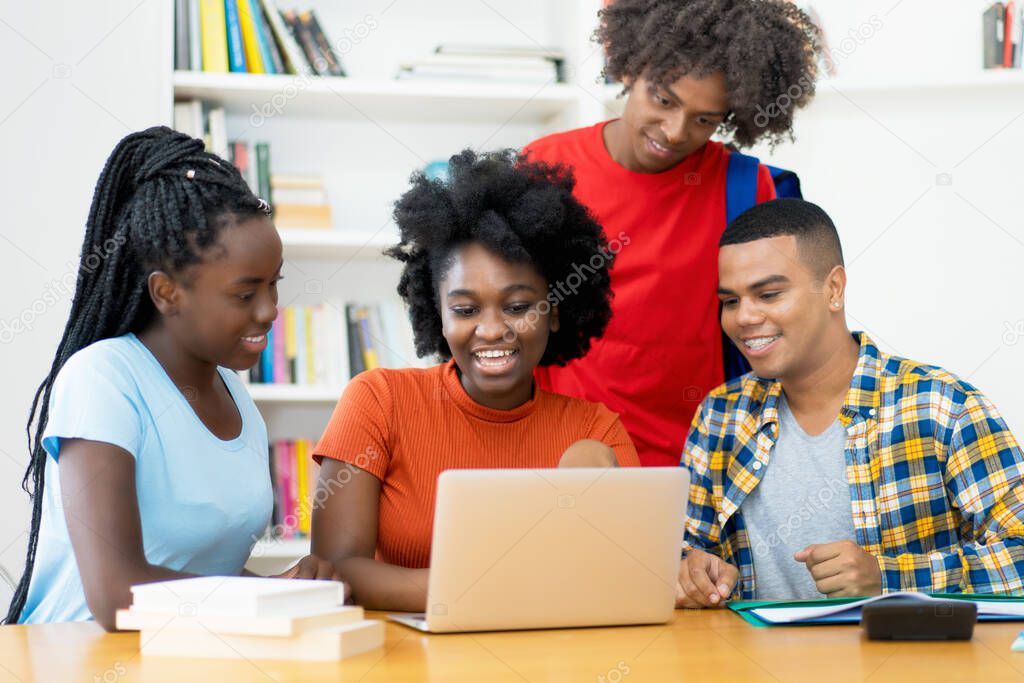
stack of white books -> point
(485, 63)
(248, 618)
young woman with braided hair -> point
(149, 459)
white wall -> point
(77, 78)
(924, 186)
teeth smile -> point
(658, 147)
(493, 354)
(255, 340)
(759, 342)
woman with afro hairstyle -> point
(504, 271)
(690, 68)
(148, 457)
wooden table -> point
(706, 646)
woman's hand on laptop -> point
(588, 453)
(705, 580)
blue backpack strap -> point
(787, 183)
(740, 185)
(740, 195)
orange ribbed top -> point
(407, 426)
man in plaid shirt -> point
(910, 469)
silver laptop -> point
(554, 548)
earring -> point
(835, 304)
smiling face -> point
(496, 319)
(221, 309)
(780, 313)
(661, 126)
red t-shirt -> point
(662, 352)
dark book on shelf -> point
(355, 336)
(305, 39)
(263, 171)
(993, 28)
(260, 16)
(308, 18)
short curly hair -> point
(523, 211)
(767, 50)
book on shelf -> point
(328, 343)
(300, 202)
(263, 172)
(236, 48)
(291, 54)
(241, 156)
(253, 43)
(251, 36)
(1003, 35)
(313, 42)
(323, 45)
(182, 29)
(293, 475)
(199, 120)
(238, 617)
(525, 66)
(212, 36)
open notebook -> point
(847, 610)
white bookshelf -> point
(334, 244)
(294, 393)
(1008, 79)
(355, 98)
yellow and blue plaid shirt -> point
(935, 476)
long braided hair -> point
(159, 202)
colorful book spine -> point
(213, 27)
(250, 39)
(282, 492)
(236, 47)
(267, 359)
(309, 368)
(300, 346)
(273, 52)
(302, 474)
(371, 360)
(313, 471)
(281, 374)
(293, 489)
(290, 343)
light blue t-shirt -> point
(202, 500)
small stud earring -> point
(835, 304)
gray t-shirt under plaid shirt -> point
(803, 498)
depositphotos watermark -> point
(561, 290)
(833, 56)
(324, 490)
(818, 501)
(351, 36)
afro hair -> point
(767, 50)
(522, 211)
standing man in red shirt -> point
(656, 182)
